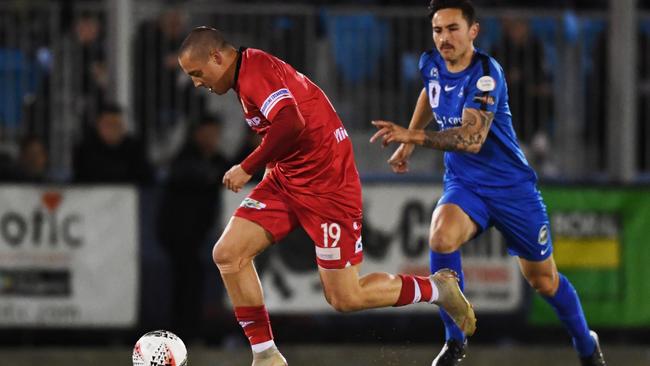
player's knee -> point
(227, 258)
(343, 303)
(544, 285)
(442, 242)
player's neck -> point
(462, 62)
(232, 66)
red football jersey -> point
(321, 163)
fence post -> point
(622, 116)
(120, 26)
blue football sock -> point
(567, 306)
(451, 261)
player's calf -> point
(344, 303)
(543, 284)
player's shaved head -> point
(201, 41)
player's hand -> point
(235, 178)
(390, 132)
(399, 161)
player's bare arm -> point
(422, 116)
(235, 178)
(469, 137)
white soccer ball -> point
(159, 348)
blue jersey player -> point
(487, 181)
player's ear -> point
(473, 30)
(216, 56)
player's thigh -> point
(459, 216)
(521, 217)
(262, 219)
(541, 275)
(451, 226)
(241, 238)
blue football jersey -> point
(481, 85)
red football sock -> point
(257, 326)
(416, 289)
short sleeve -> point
(266, 86)
(423, 67)
(485, 87)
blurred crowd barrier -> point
(60, 63)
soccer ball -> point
(159, 348)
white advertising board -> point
(68, 256)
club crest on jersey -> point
(486, 83)
(542, 238)
(251, 203)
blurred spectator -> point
(162, 95)
(109, 155)
(32, 161)
(191, 203)
(31, 165)
(529, 86)
(91, 72)
(541, 157)
(250, 142)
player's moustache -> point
(446, 46)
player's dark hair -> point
(201, 40)
(465, 6)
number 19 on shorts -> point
(331, 232)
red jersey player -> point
(311, 180)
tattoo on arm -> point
(468, 137)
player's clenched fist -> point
(390, 132)
(235, 178)
(399, 161)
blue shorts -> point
(517, 212)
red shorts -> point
(337, 240)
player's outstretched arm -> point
(469, 137)
(422, 116)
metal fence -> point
(54, 74)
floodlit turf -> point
(370, 355)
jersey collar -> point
(240, 55)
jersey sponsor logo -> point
(486, 83)
(251, 203)
(254, 122)
(487, 99)
(340, 134)
(328, 254)
(444, 121)
(542, 237)
(450, 88)
(273, 99)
